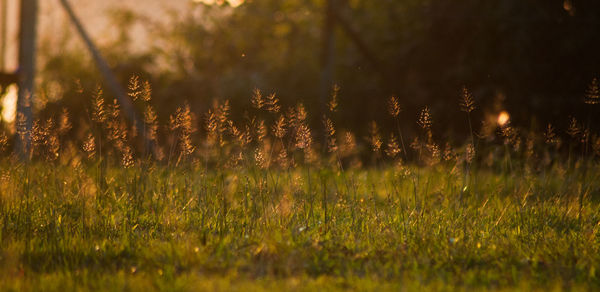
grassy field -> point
(261, 206)
(413, 228)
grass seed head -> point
(98, 107)
(394, 107)
(260, 158)
(470, 153)
(592, 95)
(301, 113)
(134, 87)
(150, 118)
(89, 146)
(330, 135)
(127, 157)
(374, 137)
(448, 152)
(261, 131)
(44, 140)
(257, 99)
(349, 145)
(222, 112)
(272, 103)
(467, 103)
(332, 105)
(182, 123)
(550, 136)
(393, 149)
(211, 124)
(147, 92)
(435, 153)
(303, 137)
(574, 129)
(424, 119)
(3, 141)
(282, 159)
(279, 128)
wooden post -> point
(26, 73)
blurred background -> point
(532, 58)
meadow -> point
(271, 202)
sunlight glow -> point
(503, 118)
(9, 104)
(232, 3)
(567, 5)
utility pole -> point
(26, 75)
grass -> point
(165, 228)
(261, 206)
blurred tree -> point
(536, 53)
